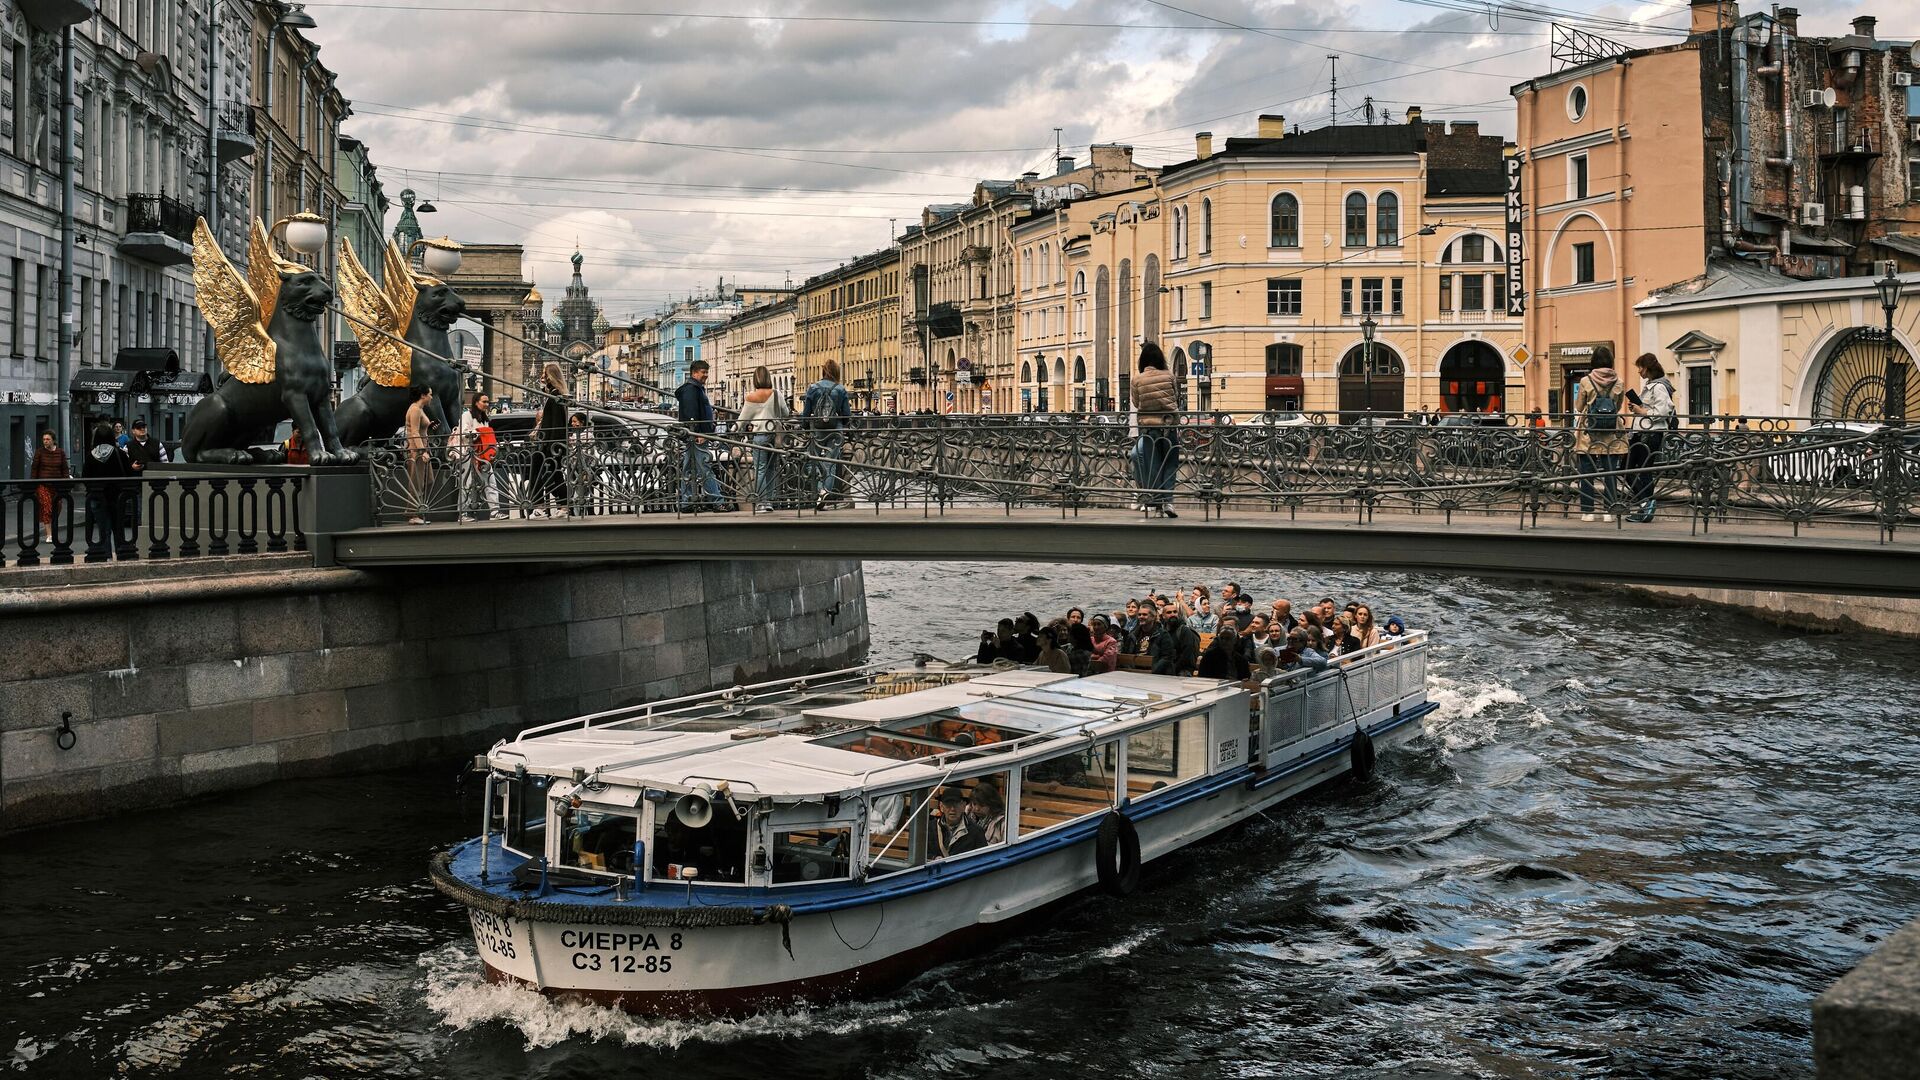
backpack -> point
(1603, 412)
(818, 406)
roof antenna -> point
(1369, 107)
(1333, 64)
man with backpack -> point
(824, 414)
(1599, 434)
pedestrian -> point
(699, 488)
(419, 423)
(142, 451)
(1157, 456)
(49, 463)
(580, 464)
(1600, 436)
(550, 439)
(1654, 417)
(762, 417)
(105, 469)
(477, 448)
(120, 435)
(825, 412)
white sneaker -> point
(763, 508)
(559, 513)
(1606, 517)
(465, 518)
(1586, 517)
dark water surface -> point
(1633, 841)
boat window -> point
(1073, 785)
(522, 813)
(716, 847)
(822, 854)
(595, 839)
(886, 745)
(1166, 755)
(969, 815)
(956, 732)
(894, 842)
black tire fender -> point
(1360, 754)
(1117, 854)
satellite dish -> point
(694, 810)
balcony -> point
(55, 14)
(235, 140)
(917, 376)
(159, 230)
(976, 253)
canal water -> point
(1633, 841)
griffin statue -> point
(410, 306)
(267, 329)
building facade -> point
(763, 334)
(1079, 317)
(297, 110)
(1745, 142)
(362, 223)
(576, 330)
(851, 315)
(959, 342)
(680, 335)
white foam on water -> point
(1467, 714)
(1125, 945)
(464, 999)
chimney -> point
(1712, 15)
(1790, 20)
(1467, 128)
(1864, 25)
(1273, 127)
(1413, 114)
(1063, 164)
(1029, 177)
(1202, 145)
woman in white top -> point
(761, 417)
(1655, 416)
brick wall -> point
(182, 680)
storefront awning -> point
(158, 359)
(1280, 385)
(173, 382)
(104, 383)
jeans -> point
(697, 482)
(1593, 463)
(1641, 450)
(106, 512)
(1156, 465)
(826, 473)
(766, 476)
(474, 479)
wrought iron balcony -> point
(235, 132)
(159, 230)
(917, 376)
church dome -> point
(557, 324)
(533, 297)
(600, 322)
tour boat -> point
(833, 835)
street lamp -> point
(1893, 400)
(1367, 329)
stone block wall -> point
(184, 679)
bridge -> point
(1766, 505)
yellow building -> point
(1278, 249)
(762, 334)
(852, 315)
(1080, 317)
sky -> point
(678, 142)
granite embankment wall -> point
(1805, 611)
(179, 680)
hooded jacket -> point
(1600, 382)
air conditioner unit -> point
(1813, 213)
(1903, 78)
(1816, 99)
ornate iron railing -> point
(53, 522)
(1710, 474)
(147, 213)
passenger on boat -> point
(1025, 647)
(1106, 645)
(1326, 608)
(1223, 658)
(1364, 628)
(1282, 619)
(1051, 655)
(988, 812)
(1311, 650)
(1080, 649)
(1242, 612)
(1396, 627)
(1075, 616)
(1203, 617)
(1186, 643)
(989, 650)
(1341, 639)
(954, 834)
(1260, 635)
(1003, 640)
(1266, 665)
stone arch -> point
(1554, 255)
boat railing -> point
(1300, 709)
(666, 711)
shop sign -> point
(1516, 276)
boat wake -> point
(1467, 714)
(463, 999)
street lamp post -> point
(1367, 329)
(1893, 395)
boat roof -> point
(784, 748)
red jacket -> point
(50, 464)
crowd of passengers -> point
(1187, 634)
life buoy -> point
(1117, 854)
(1360, 754)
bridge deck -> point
(1829, 558)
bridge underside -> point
(1744, 556)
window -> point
(1577, 103)
(1346, 296)
(1166, 755)
(1583, 263)
(1913, 180)
(1283, 358)
(17, 306)
(1446, 292)
(1386, 220)
(1072, 785)
(1206, 299)
(521, 813)
(1283, 296)
(897, 838)
(1356, 220)
(1179, 232)
(1700, 392)
(594, 839)
(1399, 296)
(970, 815)
(1284, 231)
(1473, 296)
(688, 351)
(1180, 303)
(1577, 176)
(1206, 226)
(1372, 296)
(1473, 248)
(1080, 283)
(717, 849)
(816, 854)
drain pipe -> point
(63, 373)
(1742, 137)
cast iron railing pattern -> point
(160, 214)
(1764, 472)
(175, 517)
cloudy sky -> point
(679, 141)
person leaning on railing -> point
(1157, 456)
(761, 418)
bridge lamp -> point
(442, 255)
(1368, 328)
(1893, 401)
(306, 232)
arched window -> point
(1206, 226)
(1079, 369)
(1285, 228)
(1080, 283)
(1026, 266)
(1356, 220)
(1284, 358)
(1179, 232)
(1046, 264)
(1386, 220)
(1026, 372)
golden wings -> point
(237, 308)
(385, 310)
